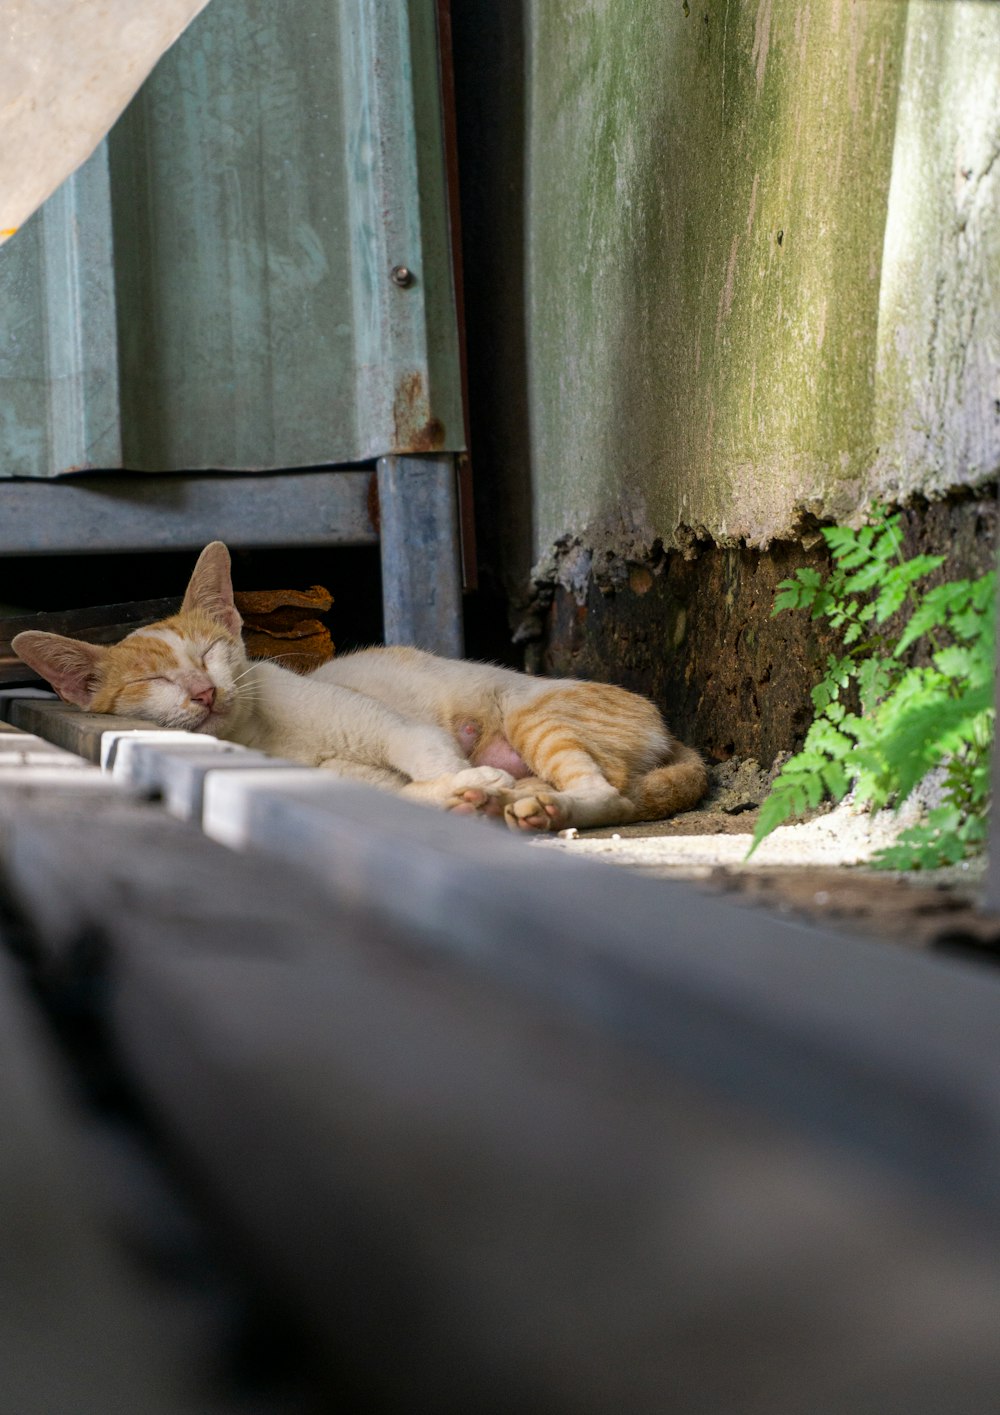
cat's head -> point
(185, 671)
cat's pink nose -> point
(206, 696)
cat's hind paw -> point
(541, 810)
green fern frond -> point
(912, 718)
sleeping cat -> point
(467, 737)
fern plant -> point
(910, 717)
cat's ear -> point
(73, 668)
(211, 588)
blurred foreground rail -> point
(318, 1100)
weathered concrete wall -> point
(707, 204)
(938, 358)
(738, 272)
(714, 339)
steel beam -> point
(421, 571)
(117, 514)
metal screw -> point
(402, 276)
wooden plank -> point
(881, 1049)
(68, 727)
(95, 737)
(74, 861)
(41, 777)
(10, 736)
(532, 1200)
(177, 771)
(74, 1335)
(35, 752)
(132, 757)
(27, 761)
(21, 749)
(122, 1299)
(524, 1212)
(482, 895)
(118, 747)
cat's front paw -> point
(536, 810)
(480, 791)
(476, 790)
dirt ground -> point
(815, 870)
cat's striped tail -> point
(676, 786)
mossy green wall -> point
(714, 345)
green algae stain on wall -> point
(707, 196)
(938, 371)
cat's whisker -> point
(275, 657)
(240, 676)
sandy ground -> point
(817, 869)
(840, 837)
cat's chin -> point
(211, 721)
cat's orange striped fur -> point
(569, 731)
(469, 737)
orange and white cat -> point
(468, 737)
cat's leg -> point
(382, 777)
(589, 799)
(475, 790)
(418, 759)
(579, 795)
(439, 774)
(471, 791)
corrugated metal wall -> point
(214, 289)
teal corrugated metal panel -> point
(277, 166)
(58, 341)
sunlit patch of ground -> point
(815, 869)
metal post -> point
(421, 577)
